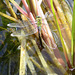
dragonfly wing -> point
(57, 39)
(29, 30)
(15, 25)
(19, 25)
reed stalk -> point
(62, 41)
(52, 21)
(9, 17)
(67, 13)
(23, 61)
(73, 37)
(62, 18)
(30, 15)
(48, 4)
(32, 3)
(30, 64)
(67, 43)
(18, 7)
(49, 16)
(37, 64)
(45, 65)
(54, 59)
(57, 54)
(10, 9)
(63, 31)
(32, 51)
(3, 28)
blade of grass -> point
(30, 65)
(67, 13)
(52, 21)
(61, 38)
(30, 15)
(57, 54)
(3, 28)
(67, 43)
(73, 37)
(32, 6)
(45, 65)
(18, 7)
(56, 62)
(62, 18)
(10, 9)
(23, 57)
(37, 64)
(48, 4)
(9, 17)
(32, 51)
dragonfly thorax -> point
(39, 20)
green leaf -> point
(61, 38)
(73, 35)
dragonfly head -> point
(38, 18)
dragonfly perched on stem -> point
(29, 29)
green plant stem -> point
(56, 51)
(30, 64)
(56, 62)
(73, 37)
(11, 9)
(62, 18)
(23, 62)
(45, 65)
(33, 7)
(19, 8)
(62, 41)
(3, 28)
(67, 13)
(9, 17)
(37, 64)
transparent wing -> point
(23, 24)
(27, 23)
(27, 30)
(15, 25)
(57, 39)
(50, 20)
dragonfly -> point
(29, 29)
(26, 27)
